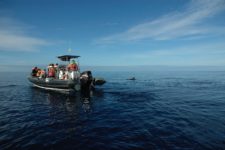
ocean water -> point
(159, 110)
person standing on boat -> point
(73, 70)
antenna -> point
(69, 50)
(69, 45)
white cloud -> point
(186, 23)
(14, 36)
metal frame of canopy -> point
(67, 57)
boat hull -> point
(55, 84)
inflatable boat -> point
(65, 79)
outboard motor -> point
(86, 81)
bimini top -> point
(67, 57)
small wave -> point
(203, 82)
(10, 85)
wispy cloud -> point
(192, 50)
(15, 36)
(179, 24)
(199, 54)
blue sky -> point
(113, 32)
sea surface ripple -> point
(159, 110)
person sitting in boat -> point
(56, 67)
(61, 74)
(65, 75)
(34, 71)
(73, 70)
(43, 74)
(38, 73)
(50, 66)
(51, 71)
